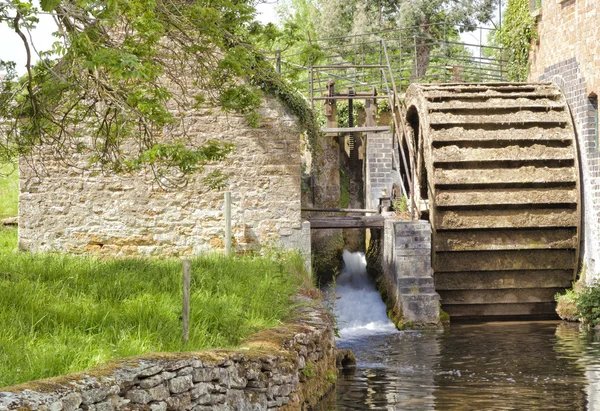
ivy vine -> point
(517, 33)
(264, 77)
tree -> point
(110, 85)
(423, 20)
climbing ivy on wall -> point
(517, 33)
(264, 77)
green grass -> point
(62, 314)
(9, 190)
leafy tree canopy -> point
(113, 80)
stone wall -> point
(79, 211)
(568, 54)
(407, 273)
(289, 367)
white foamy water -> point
(358, 307)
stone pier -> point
(408, 276)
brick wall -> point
(568, 54)
(379, 171)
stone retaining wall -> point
(288, 367)
(408, 276)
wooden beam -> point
(346, 222)
(355, 129)
(357, 97)
(364, 66)
(340, 210)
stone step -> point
(491, 280)
(492, 218)
(414, 281)
(499, 296)
(416, 290)
(505, 260)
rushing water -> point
(487, 366)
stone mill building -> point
(567, 53)
(66, 209)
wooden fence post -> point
(185, 316)
(228, 223)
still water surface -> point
(488, 366)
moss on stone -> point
(444, 318)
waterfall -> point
(358, 308)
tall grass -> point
(9, 190)
(60, 314)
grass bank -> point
(9, 190)
(61, 314)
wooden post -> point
(185, 316)
(330, 108)
(228, 223)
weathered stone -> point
(139, 396)
(95, 395)
(177, 365)
(168, 375)
(151, 381)
(71, 401)
(158, 406)
(103, 406)
(150, 371)
(158, 393)
(181, 384)
(179, 402)
(199, 390)
(185, 371)
(205, 374)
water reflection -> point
(491, 366)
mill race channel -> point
(546, 365)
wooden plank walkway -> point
(346, 222)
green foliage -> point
(263, 76)
(9, 190)
(518, 31)
(343, 112)
(106, 80)
(331, 376)
(344, 189)
(400, 206)
(309, 370)
(62, 314)
(566, 305)
(588, 305)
